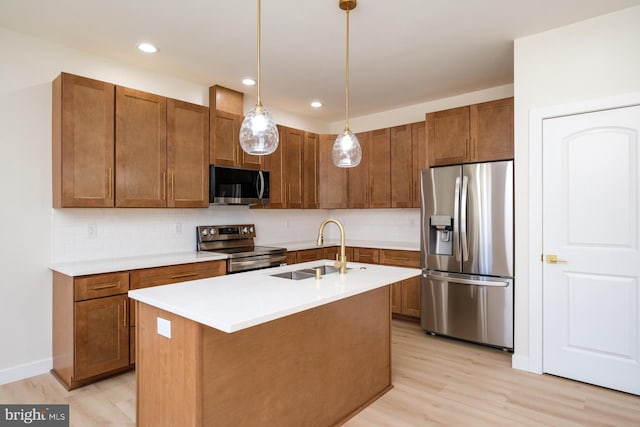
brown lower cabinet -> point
(94, 322)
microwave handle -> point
(260, 185)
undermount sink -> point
(306, 273)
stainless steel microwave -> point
(234, 186)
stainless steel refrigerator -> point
(467, 252)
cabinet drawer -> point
(309, 255)
(366, 255)
(156, 276)
(400, 258)
(100, 285)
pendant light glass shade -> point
(258, 133)
(346, 151)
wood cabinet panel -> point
(292, 158)
(402, 171)
(101, 336)
(333, 180)
(155, 276)
(291, 257)
(311, 173)
(309, 255)
(475, 133)
(224, 138)
(396, 297)
(100, 285)
(141, 151)
(274, 164)
(187, 154)
(492, 130)
(400, 258)
(82, 142)
(448, 135)
(366, 255)
(380, 169)
(358, 178)
(411, 297)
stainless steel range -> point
(236, 241)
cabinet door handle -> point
(181, 276)
(105, 286)
(110, 178)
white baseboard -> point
(521, 362)
(27, 370)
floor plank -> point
(437, 382)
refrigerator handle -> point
(463, 218)
(456, 222)
(497, 283)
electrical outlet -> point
(92, 231)
(164, 327)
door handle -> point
(553, 259)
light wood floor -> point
(436, 382)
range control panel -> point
(211, 233)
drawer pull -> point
(105, 286)
(181, 276)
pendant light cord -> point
(346, 109)
(259, 102)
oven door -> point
(255, 262)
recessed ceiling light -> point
(248, 82)
(316, 104)
(147, 48)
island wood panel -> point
(318, 367)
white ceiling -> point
(402, 52)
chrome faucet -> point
(341, 259)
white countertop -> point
(82, 268)
(311, 244)
(238, 301)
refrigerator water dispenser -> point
(441, 235)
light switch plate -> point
(164, 327)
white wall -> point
(592, 59)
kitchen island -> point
(255, 349)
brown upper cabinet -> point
(161, 151)
(141, 149)
(369, 183)
(82, 142)
(226, 115)
(408, 157)
(187, 154)
(115, 146)
(333, 180)
(474, 133)
(285, 168)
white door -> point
(591, 302)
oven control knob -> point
(245, 230)
(212, 231)
(251, 230)
(205, 232)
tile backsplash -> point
(88, 234)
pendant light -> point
(258, 133)
(346, 152)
